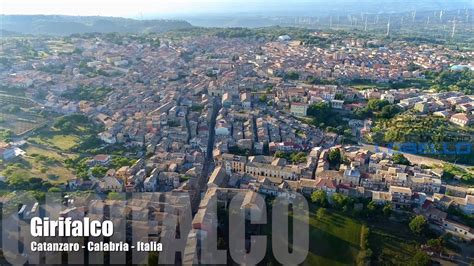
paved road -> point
(208, 161)
(416, 159)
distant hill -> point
(66, 25)
(6, 33)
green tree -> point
(280, 154)
(399, 158)
(339, 96)
(324, 116)
(5, 135)
(348, 133)
(120, 161)
(387, 210)
(437, 244)
(98, 171)
(292, 75)
(419, 259)
(54, 189)
(321, 213)
(363, 113)
(299, 157)
(17, 181)
(372, 208)
(340, 201)
(418, 224)
(389, 111)
(376, 104)
(115, 196)
(335, 158)
(320, 198)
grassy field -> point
(392, 242)
(407, 83)
(336, 240)
(55, 172)
(362, 87)
(57, 140)
(389, 249)
(67, 132)
(42, 163)
(20, 123)
(53, 154)
(333, 240)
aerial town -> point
(348, 123)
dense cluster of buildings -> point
(228, 100)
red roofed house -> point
(327, 185)
(101, 159)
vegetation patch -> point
(68, 133)
(85, 93)
(428, 135)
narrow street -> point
(188, 128)
(208, 165)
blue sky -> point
(123, 7)
(137, 8)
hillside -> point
(66, 25)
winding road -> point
(416, 159)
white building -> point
(299, 109)
(337, 104)
(284, 38)
(461, 119)
(388, 97)
(459, 230)
(150, 183)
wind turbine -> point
(388, 27)
(454, 28)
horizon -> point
(146, 9)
